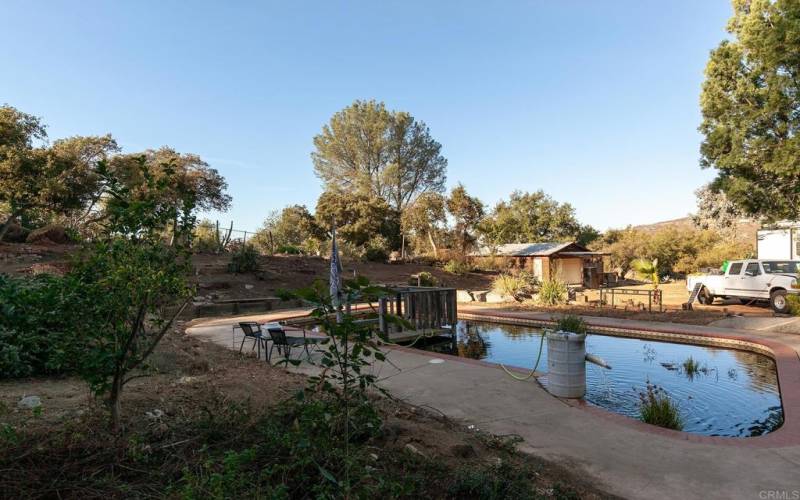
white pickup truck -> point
(750, 280)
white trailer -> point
(779, 243)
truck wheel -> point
(704, 297)
(778, 302)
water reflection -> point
(727, 393)
(760, 369)
(470, 343)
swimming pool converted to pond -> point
(719, 391)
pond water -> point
(732, 393)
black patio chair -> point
(252, 330)
(285, 343)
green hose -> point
(422, 335)
(535, 366)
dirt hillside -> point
(276, 272)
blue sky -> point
(594, 102)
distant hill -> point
(682, 223)
(746, 230)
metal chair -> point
(283, 342)
(253, 331)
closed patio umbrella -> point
(336, 278)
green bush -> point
(423, 279)
(493, 481)
(377, 249)
(313, 246)
(492, 263)
(454, 266)
(794, 304)
(514, 285)
(657, 408)
(303, 439)
(372, 254)
(679, 250)
(288, 249)
(425, 260)
(204, 239)
(244, 260)
(553, 292)
(38, 315)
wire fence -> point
(241, 236)
(221, 238)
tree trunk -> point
(433, 244)
(174, 231)
(114, 402)
(7, 224)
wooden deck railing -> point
(424, 308)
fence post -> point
(612, 298)
(382, 317)
(650, 301)
(453, 306)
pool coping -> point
(787, 364)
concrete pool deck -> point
(623, 456)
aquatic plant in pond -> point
(692, 367)
(649, 353)
(657, 408)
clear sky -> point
(594, 102)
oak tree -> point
(368, 150)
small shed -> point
(570, 262)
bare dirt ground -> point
(194, 379)
(23, 258)
(635, 307)
(674, 295)
(277, 272)
(288, 272)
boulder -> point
(464, 296)
(413, 449)
(15, 233)
(29, 402)
(154, 415)
(44, 268)
(496, 298)
(49, 234)
(463, 451)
